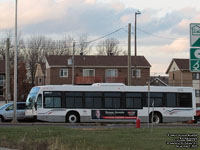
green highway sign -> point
(195, 59)
(195, 65)
(195, 34)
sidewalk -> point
(2, 148)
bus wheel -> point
(72, 118)
(156, 118)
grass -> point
(61, 138)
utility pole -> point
(73, 63)
(148, 101)
(7, 71)
(129, 54)
(15, 70)
(135, 62)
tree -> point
(108, 47)
(83, 45)
(3, 48)
(63, 47)
(37, 47)
(22, 82)
(20, 44)
(34, 53)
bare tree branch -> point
(108, 47)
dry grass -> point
(60, 138)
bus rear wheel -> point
(156, 118)
(73, 118)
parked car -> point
(6, 112)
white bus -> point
(103, 102)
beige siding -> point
(48, 76)
(181, 78)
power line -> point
(91, 41)
(158, 35)
(127, 31)
(106, 35)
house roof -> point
(183, 64)
(2, 66)
(159, 80)
(43, 67)
(39, 71)
(56, 60)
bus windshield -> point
(31, 97)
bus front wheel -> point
(72, 118)
(156, 119)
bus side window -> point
(171, 100)
(184, 100)
(93, 100)
(112, 100)
(156, 99)
(74, 99)
(39, 101)
(133, 100)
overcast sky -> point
(163, 26)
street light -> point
(73, 63)
(136, 13)
(15, 69)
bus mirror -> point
(30, 100)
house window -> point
(1, 80)
(111, 72)
(88, 72)
(40, 80)
(63, 72)
(136, 73)
(197, 93)
(195, 76)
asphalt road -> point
(101, 125)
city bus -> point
(111, 102)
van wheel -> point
(156, 118)
(73, 118)
(1, 119)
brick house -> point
(2, 79)
(95, 69)
(180, 75)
